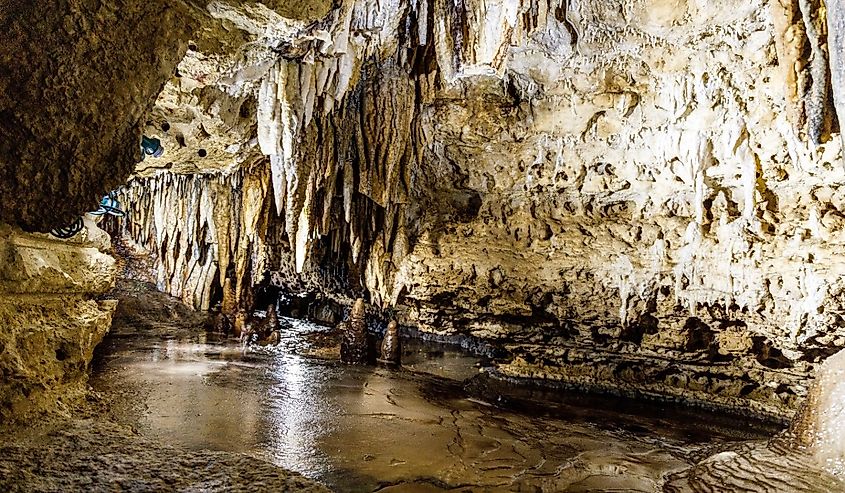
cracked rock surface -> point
(91, 455)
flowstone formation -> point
(630, 196)
(807, 457)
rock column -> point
(353, 346)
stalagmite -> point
(241, 325)
(819, 428)
(263, 332)
(391, 346)
(353, 345)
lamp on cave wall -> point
(108, 205)
(151, 147)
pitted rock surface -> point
(77, 79)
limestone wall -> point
(52, 314)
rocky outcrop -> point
(77, 77)
(52, 316)
(755, 468)
(631, 196)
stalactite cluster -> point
(345, 188)
(347, 177)
(338, 119)
(635, 195)
(202, 230)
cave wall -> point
(632, 196)
(77, 77)
(52, 315)
(658, 216)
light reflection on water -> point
(295, 416)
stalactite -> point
(803, 44)
(817, 103)
(200, 228)
(337, 119)
(323, 121)
(836, 47)
(790, 39)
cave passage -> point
(422, 245)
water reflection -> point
(295, 416)
(361, 428)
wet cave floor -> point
(435, 424)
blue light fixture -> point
(151, 147)
(109, 205)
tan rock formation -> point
(639, 196)
(264, 332)
(52, 318)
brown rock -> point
(353, 344)
(77, 78)
(391, 346)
